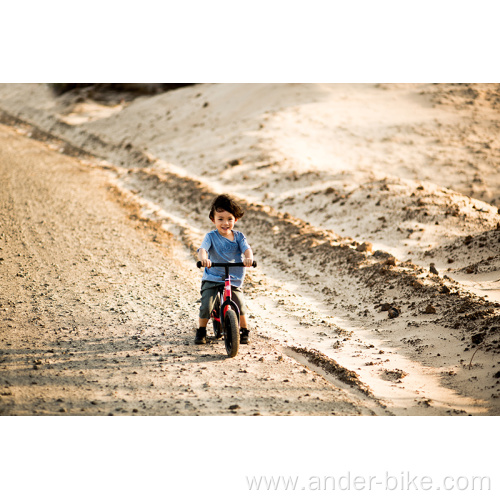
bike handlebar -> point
(227, 264)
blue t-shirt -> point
(220, 249)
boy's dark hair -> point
(225, 202)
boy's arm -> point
(203, 257)
(248, 260)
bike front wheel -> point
(231, 333)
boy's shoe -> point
(201, 336)
(244, 336)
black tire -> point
(232, 333)
(216, 328)
(216, 324)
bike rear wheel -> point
(216, 325)
(231, 333)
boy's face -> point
(224, 222)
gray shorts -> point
(209, 294)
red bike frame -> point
(227, 300)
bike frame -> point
(225, 296)
(226, 300)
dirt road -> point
(98, 308)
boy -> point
(223, 244)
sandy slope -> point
(321, 169)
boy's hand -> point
(206, 263)
(247, 262)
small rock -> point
(417, 284)
(364, 247)
(380, 254)
(433, 269)
(470, 269)
(430, 309)
(394, 312)
(395, 374)
(234, 407)
(391, 261)
(477, 338)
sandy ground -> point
(97, 313)
(352, 194)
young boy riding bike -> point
(223, 244)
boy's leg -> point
(244, 330)
(201, 333)
(240, 301)
(208, 295)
